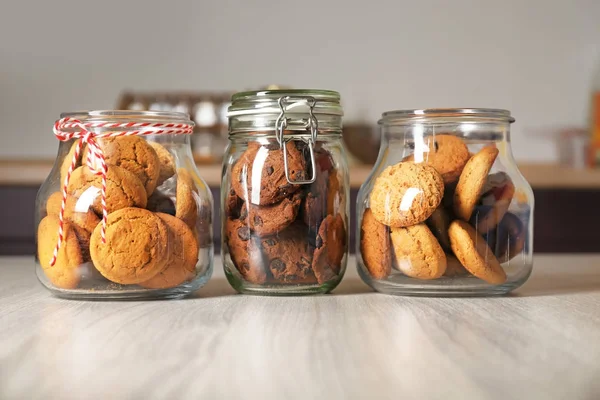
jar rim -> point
(261, 102)
(276, 93)
(128, 115)
(398, 116)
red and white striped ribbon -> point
(95, 157)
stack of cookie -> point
(440, 213)
(277, 232)
(156, 220)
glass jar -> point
(285, 193)
(148, 234)
(445, 210)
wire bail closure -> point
(313, 124)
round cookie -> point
(471, 182)
(323, 196)
(448, 154)
(66, 163)
(166, 162)
(406, 194)
(247, 259)
(418, 253)
(330, 248)
(271, 185)
(375, 246)
(438, 223)
(64, 273)
(186, 207)
(183, 255)
(123, 189)
(271, 219)
(77, 211)
(474, 254)
(133, 154)
(508, 239)
(136, 248)
(79, 214)
(288, 256)
(453, 267)
(498, 193)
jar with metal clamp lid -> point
(284, 194)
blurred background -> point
(539, 59)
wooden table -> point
(543, 341)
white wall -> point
(534, 57)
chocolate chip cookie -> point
(289, 256)
(330, 248)
(323, 195)
(243, 251)
(259, 177)
(271, 219)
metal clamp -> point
(281, 124)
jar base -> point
(279, 290)
(179, 292)
(402, 285)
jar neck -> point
(472, 131)
(296, 125)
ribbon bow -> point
(95, 157)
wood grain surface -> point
(541, 342)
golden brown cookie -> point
(166, 160)
(64, 273)
(247, 258)
(133, 154)
(66, 163)
(418, 253)
(288, 255)
(186, 207)
(270, 185)
(406, 194)
(474, 254)
(330, 248)
(123, 189)
(508, 239)
(453, 267)
(497, 195)
(472, 180)
(271, 219)
(77, 211)
(183, 255)
(438, 223)
(375, 246)
(448, 154)
(136, 248)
